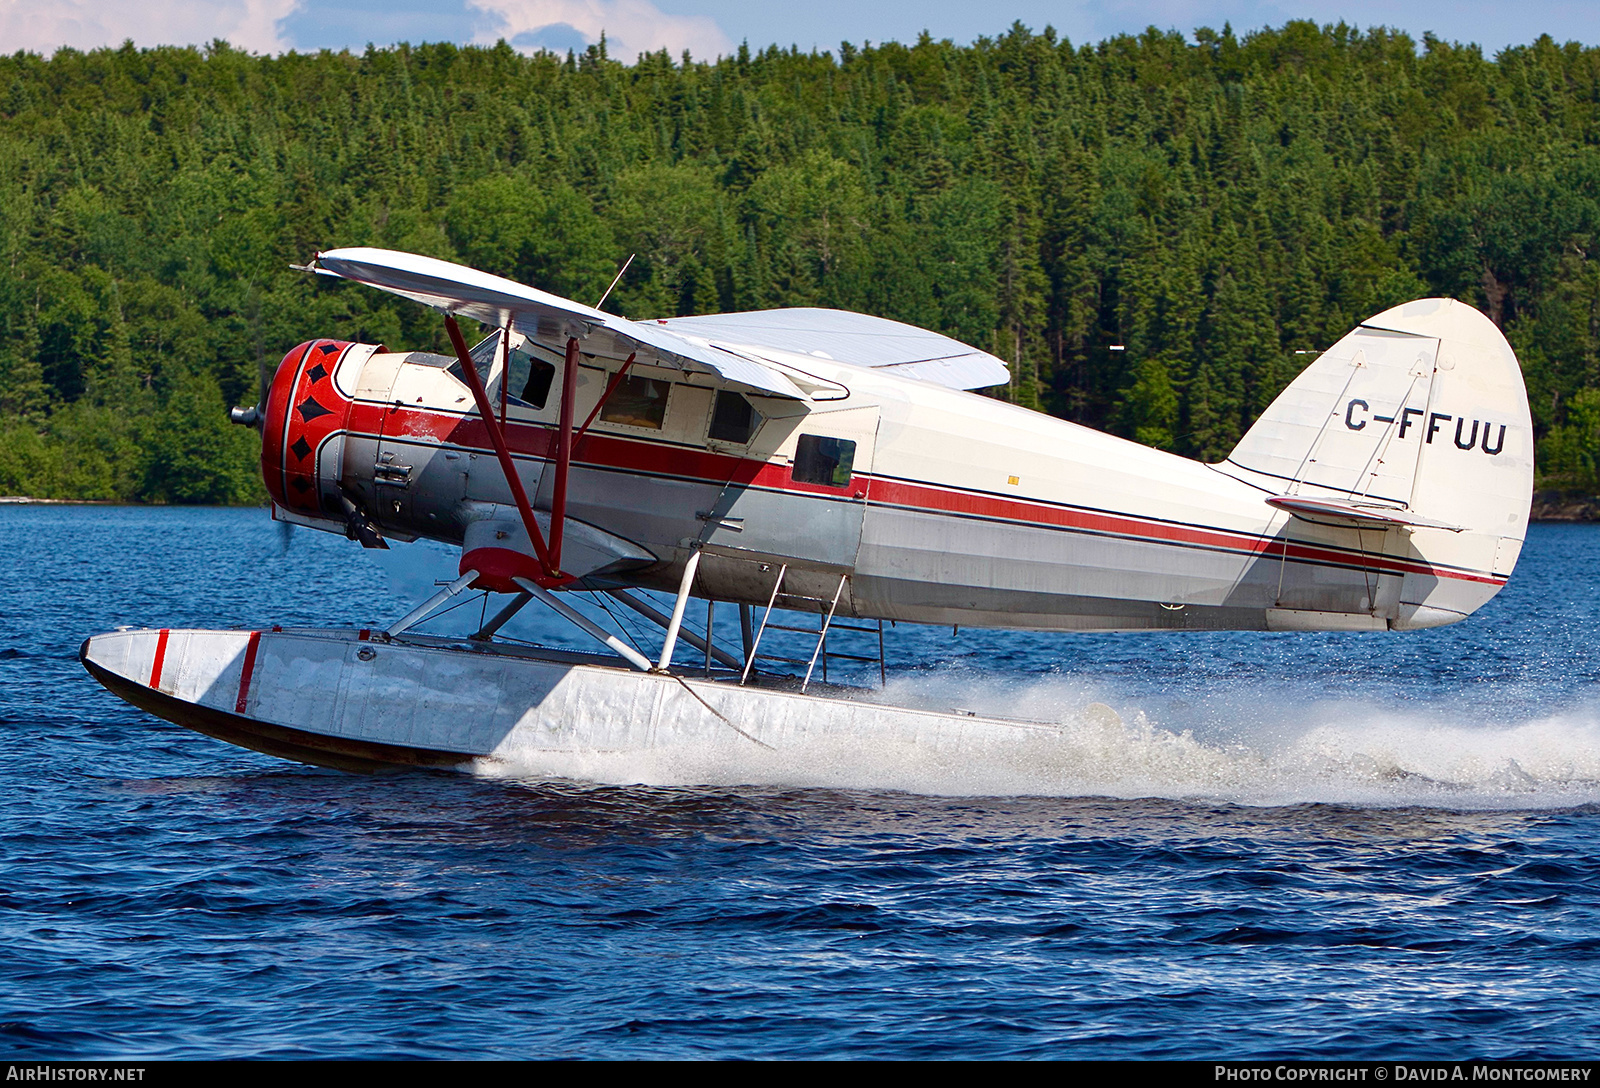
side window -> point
(733, 419)
(638, 402)
(530, 379)
(825, 461)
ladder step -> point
(849, 657)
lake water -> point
(1278, 845)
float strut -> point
(417, 614)
(711, 613)
(750, 655)
(502, 617)
(677, 611)
(589, 627)
(663, 621)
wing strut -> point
(558, 502)
(498, 439)
(616, 380)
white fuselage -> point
(953, 508)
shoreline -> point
(1570, 506)
(29, 500)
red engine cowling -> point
(305, 413)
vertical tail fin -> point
(1420, 409)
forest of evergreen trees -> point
(1215, 205)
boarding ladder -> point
(826, 627)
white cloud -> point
(631, 26)
(43, 26)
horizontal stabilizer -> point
(1361, 515)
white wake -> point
(1242, 748)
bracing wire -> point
(446, 611)
(626, 630)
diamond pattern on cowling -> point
(309, 409)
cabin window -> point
(530, 380)
(530, 377)
(825, 461)
(733, 419)
(638, 402)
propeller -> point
(255, 416)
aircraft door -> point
(807, 501)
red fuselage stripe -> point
(941, 500)
(623, 454)
(248, 671)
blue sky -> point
(709, 27)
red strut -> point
(616, 380)
(497, 439)
(558, 501)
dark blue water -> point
(1261, 846)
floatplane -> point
(808, 461)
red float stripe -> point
(161, 658)
(248, 671)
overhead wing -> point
(496, 301)
(857, 339)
